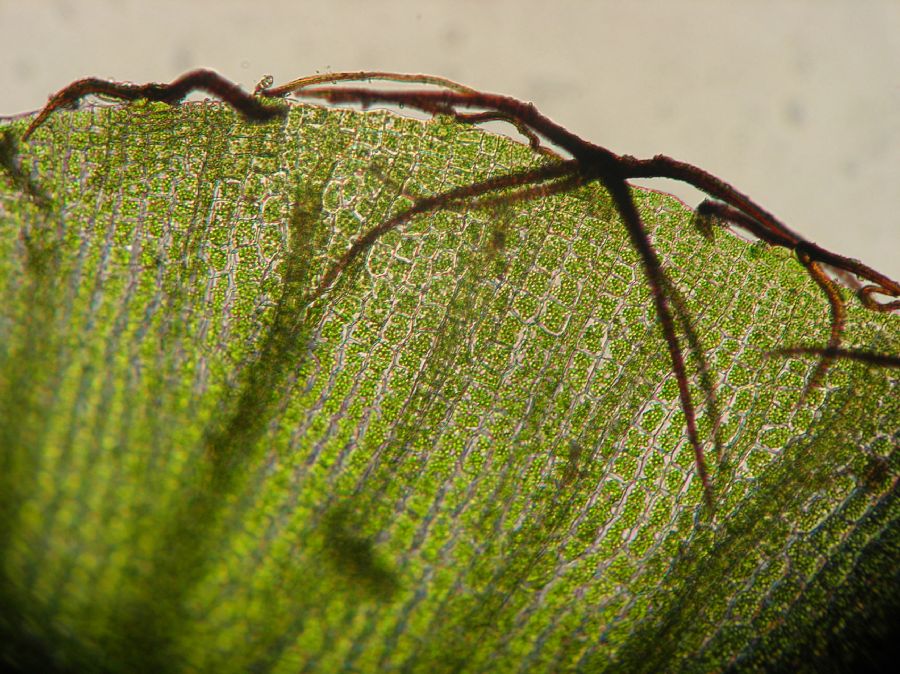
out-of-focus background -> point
(795, 102)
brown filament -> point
(838, 319)
(209, 81)
(589, 163)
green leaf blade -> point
(468, 454)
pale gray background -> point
(796, 102)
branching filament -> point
(588, 162)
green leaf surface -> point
(468, 455)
